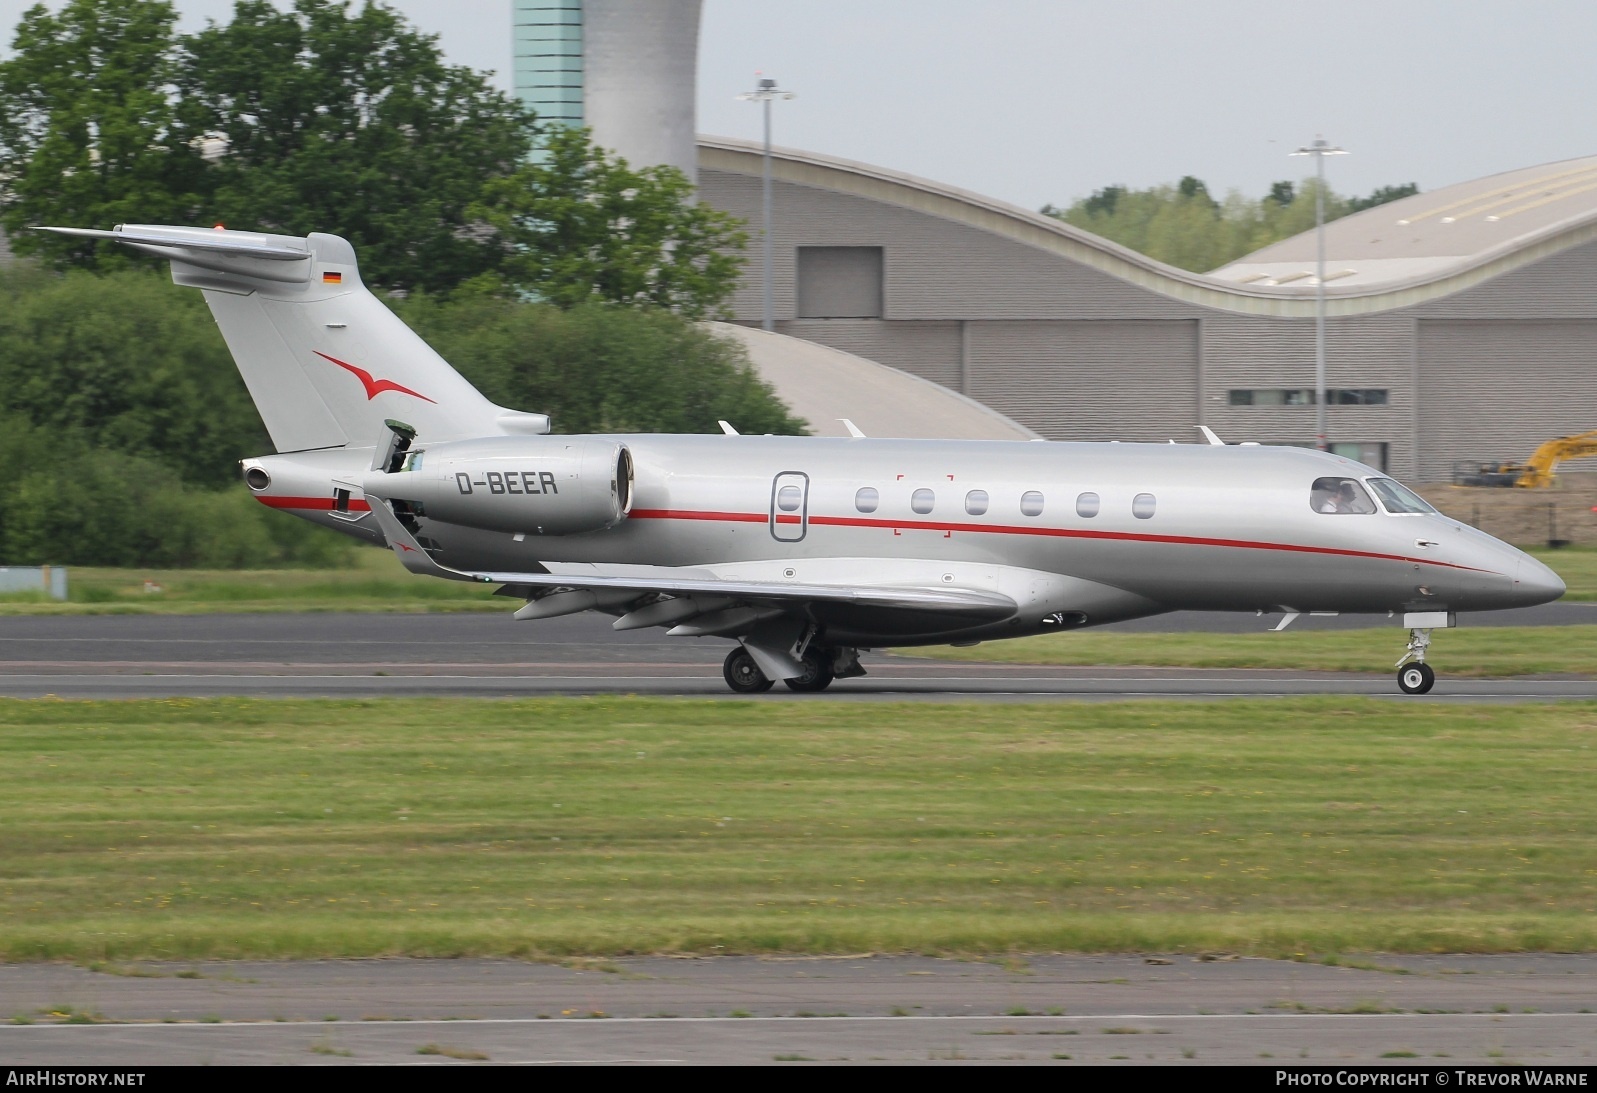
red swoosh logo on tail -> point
(374, 387)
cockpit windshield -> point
(1398, 498)
(1340, 496)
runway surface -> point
(360, 655)
(1464, 1010)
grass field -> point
(1577, 565)
(376, 582)
(1485, 652)
(189, 828)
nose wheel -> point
(1416, 679)
(1414, 676)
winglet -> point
(853, 430)
(1208, 434)
(404, 545)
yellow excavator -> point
(1536, 472)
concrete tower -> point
(624, 68)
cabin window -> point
(1398, 498)
(976, 502)
(922, 501)
(1087, 505)
(788, 498)
(866, 499)
(1031, 503)
(1340, 497)
(1142, 506)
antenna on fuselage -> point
(1208, 434)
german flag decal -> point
(332, 278)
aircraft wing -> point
(959, 606)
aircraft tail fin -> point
(325, 361)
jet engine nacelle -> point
(536, 485)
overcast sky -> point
(1036, 101)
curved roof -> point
(825, 385)
(1434, 232)
(1534, 232)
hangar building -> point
(1462, 322)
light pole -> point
(1319, 150)
(764, 94)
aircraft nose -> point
(1534, 583)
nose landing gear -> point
(1414, 676)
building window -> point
(866, 499)
(1031, 503)
(1371, 454)
(976, 502)
(1087, 505)
(1304, 396)
(922, 501)
(839, 282)
(1142, 506)
(1355, 396)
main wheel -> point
(817, 671)
(1416, 679)
(742, 674)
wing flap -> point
(972, 604)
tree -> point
(1184, 226)
(131, 361)
(600, 367)
(86, 126)
(351, 124)
(1382, 195)
(584, 226)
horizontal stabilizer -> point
(233, 244)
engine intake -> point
(546, 485)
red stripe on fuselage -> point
(1047, 532)
(319, 504)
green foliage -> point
(1381, 196)
(131, 361)
(600, 367)
(352, 124)
(122, 416)
(584, 226)
(320, 119)
(1184, 226)
(64, 501)
(86, 125)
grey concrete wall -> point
(1494, 389)
(1243, 351)
(1075, 353)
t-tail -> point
(325, 361)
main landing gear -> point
(742, 674)
(1414, 676)
(822, 666)
(817, 671)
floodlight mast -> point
(764, 94)
(1319, 150)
